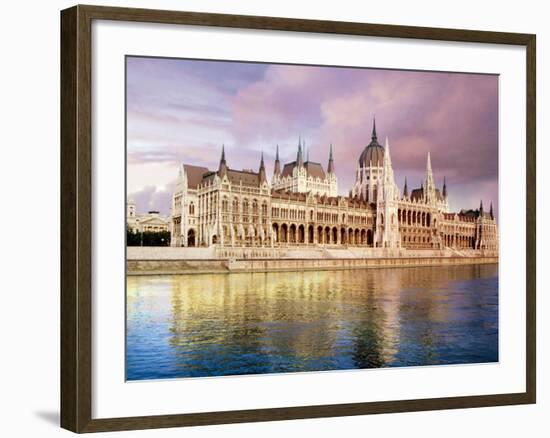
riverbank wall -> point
(158, 261)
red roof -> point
(314, 170)
(194, 175)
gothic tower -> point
(277, 169)
(331, 175)
(387, 226)
(261, 172)
(222, 169)
(429, 185)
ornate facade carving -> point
(300, 206)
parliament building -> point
(300, 207)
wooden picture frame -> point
(76, 217)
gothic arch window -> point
(284, 233)
(301, 234)
(275, 227)
(191, 209)
(254, 207)
(319, 234)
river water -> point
(255, 323)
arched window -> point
(191, 209)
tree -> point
(147, 238)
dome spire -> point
(374, 137)
(373, 154)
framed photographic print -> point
(268, 218)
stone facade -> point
(301, 207)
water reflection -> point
(211, 325)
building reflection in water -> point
(210, 325)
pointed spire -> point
(444, 193)
(374, 136)
(405, 189)
(262, 174)
(481, 207)
(330, 167)
(491, 211)
(222, 169)
(430, 185)
(299, 156)
(277, 169)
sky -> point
(182, 111)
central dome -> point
(373, 154)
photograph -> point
(285, 218)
